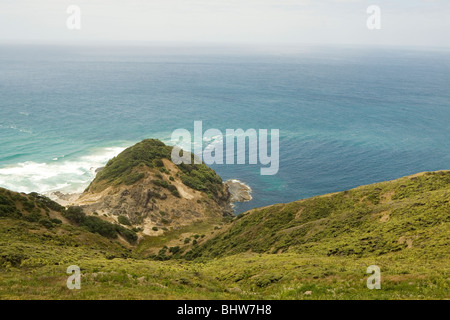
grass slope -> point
(316, 248)
(411, 213)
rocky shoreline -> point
(64, 199)
(239, 191)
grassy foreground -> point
(317, 248)
(243, 276)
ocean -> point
(347, 116)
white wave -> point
(71, 175)
(241, 183)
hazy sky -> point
(403, 22)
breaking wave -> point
(64, 174)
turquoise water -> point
(346, 116)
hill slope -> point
(144, 186)
(317, 248)
(411, 213)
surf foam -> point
(61, 174)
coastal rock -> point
(64, 199)
(239, 191)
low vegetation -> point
(317, 248)
(42, 210)
(408, 214)
(121, 169)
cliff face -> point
(143, 185)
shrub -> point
(124, 220)
(155, 228)
(162, 254)
(46, 223)
(45, 202)
(56, 221)
(128, 234)
(97, 225)
(168, 186)
(33, 217)
(174, 250)
(158, 162)
(133, 178)
(75, 215)
(28, 205)
(161, 183)
(9, 211)
(176, 193)
(12, 256)
(5, 199)
(201, 178)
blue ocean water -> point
(347, 116)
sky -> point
(403, 22)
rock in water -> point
(240, 192)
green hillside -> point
(317, 248)
(131, 165)
(408, 214)
(39, 211)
